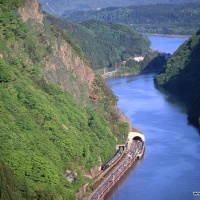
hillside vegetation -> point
(105, 44)
(181, 76)
(44, 131)
(61, 6)
(175, 19)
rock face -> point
(68, 71)
(63, 68)
(31, 11)
(75, 64)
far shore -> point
(166, 35)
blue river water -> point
(166, 44)
(170, 167)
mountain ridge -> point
(170, 19)
(62, 6)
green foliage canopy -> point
(181, 76)
(180, 19)
(105, 44)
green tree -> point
(5, 75)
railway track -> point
(116, 171)
(105, 173)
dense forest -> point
(183, 19)
(44, 131)
(181, 76)
(61, 6)
(105, 44)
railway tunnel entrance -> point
(136, 136)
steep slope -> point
(55, 113)
(61, 64)
(182, 76)
(105, 44)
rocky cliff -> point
(68, 71)
(31, 11)
(63, 67)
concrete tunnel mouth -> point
(136, 136)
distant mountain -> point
(181, 76)
(61, 6)
(174, 19)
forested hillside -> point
(181, 19)
(55, 113)
(61, 6)
(181, 76)
(105, 44)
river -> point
(166, 44)
(170, 167)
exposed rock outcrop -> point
(31, 10)
(68, 71)
(63, 68)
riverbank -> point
(166, 35)
(115, 74)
